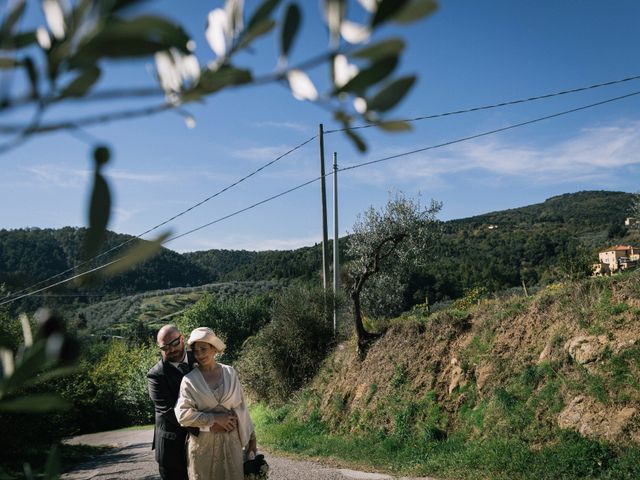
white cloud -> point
(120, 216)
(69, 177)
(299, 127)
(140, 177)
(261, 153)
(593, 154)
(54, 175)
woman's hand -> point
(252, 445)
(225, 422)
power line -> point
(351, 167)
(491, 132)
(228, 187)
(60, 282)
(497, 105)
(237, 212)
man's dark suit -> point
(168, 436)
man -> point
(164, 386)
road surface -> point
(131, 457)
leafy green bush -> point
(286, 353)
(233, 320)
(110, 389)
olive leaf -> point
(139, 253)
(251, 33)
(35, 402)
(290, 28)
(32, 74)
(52, 467)
(262, 12)
(12, 18)
(370, 76)
(415, 10)
(81, 85)
(355, 139)
(120, 5)
(386, 10)
(211, 81)
(7, 63)
(391, 47)
(391, 94)
(140, 36)
(99, 205)
(395, 126)
(24, 39)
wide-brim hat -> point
(205, 334)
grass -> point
(457, 457)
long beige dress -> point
(213, 456)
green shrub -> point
(286, 353)
(109, 389)
(233, 320)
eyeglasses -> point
(173, 343)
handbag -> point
(256, 468)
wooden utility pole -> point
(336, 249)
(325, 233)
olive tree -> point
(383, 245)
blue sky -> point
(466, 54)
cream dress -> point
(213, 456)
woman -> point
(211, 398)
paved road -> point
(130, 457)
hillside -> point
(31, 255)
(546, 386)
(535, 244)
(148, 311)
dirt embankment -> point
(568, 357)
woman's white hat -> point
(205, 334)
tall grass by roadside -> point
(456, 457)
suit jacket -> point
(169, 437)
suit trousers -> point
(173, 473)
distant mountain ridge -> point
(586, 208)
(496, 250)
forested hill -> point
(496, 250)
(536, 244)
(228, 265)
(581, 211)
(31, 255)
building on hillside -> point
(614, 259)
(630, 221)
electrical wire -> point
(219, 192)
(491, 132)
(496, 105)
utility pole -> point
(336, 249)
(323, 192)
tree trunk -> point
(363, 337)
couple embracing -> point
(202, 424)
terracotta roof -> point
(619, 247)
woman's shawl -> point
(196, 403)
